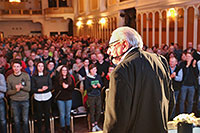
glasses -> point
(112, 44)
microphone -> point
(111, 57)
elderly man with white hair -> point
(140, 91)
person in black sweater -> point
(64, 89)
(93, 85)
(102, 66)
(189, 83)
(41, 87)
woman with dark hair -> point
(64, 89)
(31, 67)
(41, 87)
(93, 85)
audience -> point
(52, 60)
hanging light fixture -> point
(16, 1)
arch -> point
(190, 6)
(70, 23)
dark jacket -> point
(88, 85)
(190, 75)
(64, 93)
(37, 82)
(82, 72)
(139, 94)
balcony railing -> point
(61, 10)
(20, 12)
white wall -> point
(10, 28)
(55, 25)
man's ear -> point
(125, 46)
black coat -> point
(139, 95)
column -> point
(196, 11)
(137, 21)
(120, 19)
(86, 5)
(44, 4)
(160, 29)
(167, 30)
(176, 28)
(57, 2)
(185, 29)
(147, 30)
(69, 3)
(108, 29)
(75, 7)
(153, 29)
(141, 25)
(110, 25)
(102, 5)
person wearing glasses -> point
(140, 92)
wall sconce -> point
(102, 21)
(79, 23)
(89, 22)
(171, 13)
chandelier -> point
(17, 1)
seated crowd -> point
(48, 69)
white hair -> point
(128, 34)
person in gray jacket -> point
(2, 104)
(18, 90)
